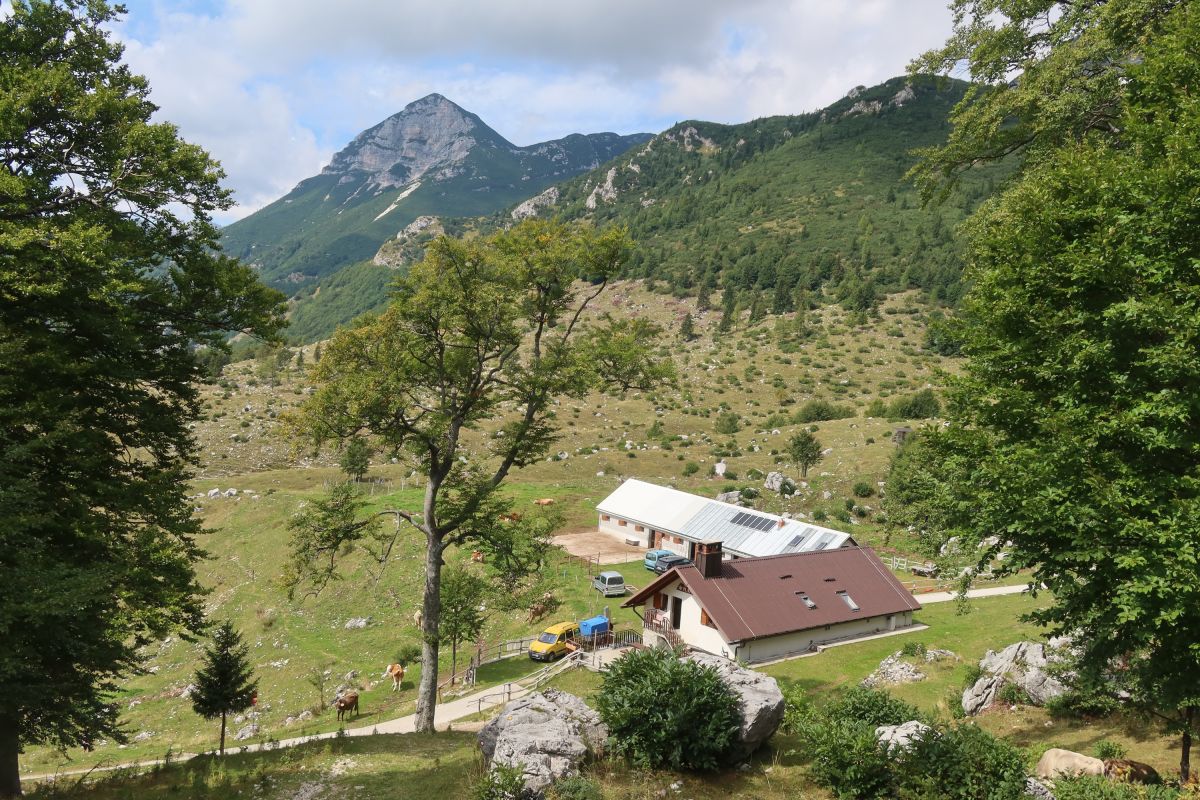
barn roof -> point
(742, 531)
(757, 597)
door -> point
(676, 612)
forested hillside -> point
(783, 206)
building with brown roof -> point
(760, 609)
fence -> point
(532, 682)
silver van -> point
(609, 584)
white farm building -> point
(653, 516)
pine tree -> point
(687, 329)
(356, 459)
(223, 683)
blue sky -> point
(273, 88)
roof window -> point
(849, 601)
(808, 601)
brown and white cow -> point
(1125, 771)
(396, 671)
(1056, 763)
(346, 703)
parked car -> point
(652, 557)
(667, 562)
(552, 642)
(609, 584)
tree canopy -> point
(1076, 421)
(109, 278)
(460, 375)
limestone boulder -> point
(1038, 790)
(774, 481)
(547, 735)
(900, 737)
(1026, 664)
(762, 702)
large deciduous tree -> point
(108, 281)
(488, 331)
(1076, 422)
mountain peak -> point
(427, 133)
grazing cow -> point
(1056, 763)
(346, 703)
(1125, 771)
(545, 501)
(396, 671)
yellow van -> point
(552, 643)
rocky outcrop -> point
(892, 670)
(774, 481)
(534, 204)
(761, 700)
(604, 191)
(548, 735)
(900, 737)
(1025, 664)
(865, 107)
(1036, 789)
(903, 96)
(734, 497)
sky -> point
(273, 88)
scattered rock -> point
(893, 669)
(143, 736)
(762, 703)
(900, 737)
(937, 655)
(547, 734)
(214, 493)
(774, 481)
(1037, 789)
(356, 623)
(247, 732)
(351, 675)
(734, 497)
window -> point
(848, 600)
(660, 601)
(639, 527)
(808, 601)
(677, 539)
(705, 619)
(622, 523)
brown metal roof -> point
(756, 597)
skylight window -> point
(808, 601)
(849, 601)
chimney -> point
(782, 522)
(708, 559)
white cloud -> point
(273, 87)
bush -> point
(974, 673)
(873, 707)
(576, 788)
(501, 783)
(1012, 694)
(964, 762)
(863, 489)
(846, 758)
(690, 468)
(727, 423)
(819, 515)
(1097, 787)
(922, 405)
(913, 649)
(821, 410)
(663, 711)
(1106, 749)
(408, 654)
(1082, 704)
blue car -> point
(652, 557)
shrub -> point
(819, 515)
(964, 762)
(846, 758)
(663, 711)
(1097, 787)
(974, 673)
(501, 783)
(821, 410)
(408, 654)
(863, 489)
(872, 706)
(1106, 749)
(913, 649)
(690, 468)
(797, 709)
(922, 405)
(749, 493)
(576, 788)
(727, 423)
(1080, 702)
(1012, 694)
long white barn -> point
(661, 517)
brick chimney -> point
(708, 559)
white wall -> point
(614, 528)
(787, 644)
(691, 630)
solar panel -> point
(825, 539)
(752, 521)
(796, 540)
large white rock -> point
(1025, 664)
(547, 735)
(900, 737)
(762, 702)
(774, 481)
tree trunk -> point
(222, 733)
(453, 659)
(431, 612)
(1185, 753)
(10, 770)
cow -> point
(396, 672)
(545, 501)
(1125, 771)
(346, 703)
(1056, 762)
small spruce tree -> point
(356, 459)
(224, 682)
(687, 329)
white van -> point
(609, 584)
